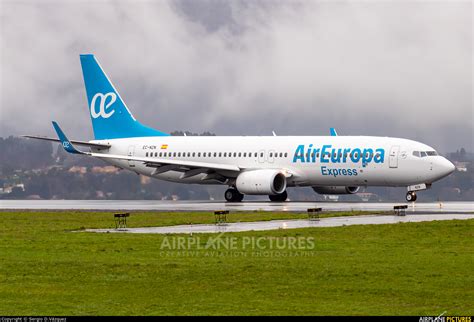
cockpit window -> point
(422, 154)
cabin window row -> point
(214, 154)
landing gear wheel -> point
(232, 195)
(280, 197)
(411, 196)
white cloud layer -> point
(396, 68)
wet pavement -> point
(168, 205)
(288, 224)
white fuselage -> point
(346, 161)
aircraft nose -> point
(446, 167)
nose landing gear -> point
(411, 196)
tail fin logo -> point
(105, 101)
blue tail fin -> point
(111, 119)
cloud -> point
(399, 69)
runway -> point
(285, 224)
(165, 205)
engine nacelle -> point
(336, 190)
(261, 182)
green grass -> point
(400, 269)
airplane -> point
(249, 165)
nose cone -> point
(445, 167)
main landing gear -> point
(279, 198)
(232, 195)
(411, 196)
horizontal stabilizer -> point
(80, 143)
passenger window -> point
(194, 154)
(204, 154)
(220, 154)
(146, 154)
(271, 154)
(215, 154)
(174, 154)
(199, 154)
(261, 154)
(235, 154)
(286, 154)
(240, 154)
(255, 154)
(245, 154)
(225, 154)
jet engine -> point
(261, 182)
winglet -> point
(333, 131)
(67, 145)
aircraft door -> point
(393, 157)
(131, 153)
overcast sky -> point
(385, 68)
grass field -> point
(46, 268)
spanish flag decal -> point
(164, 146)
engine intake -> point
(261, 182)
(336, 190)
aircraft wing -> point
(158, 162)
(189, 168)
